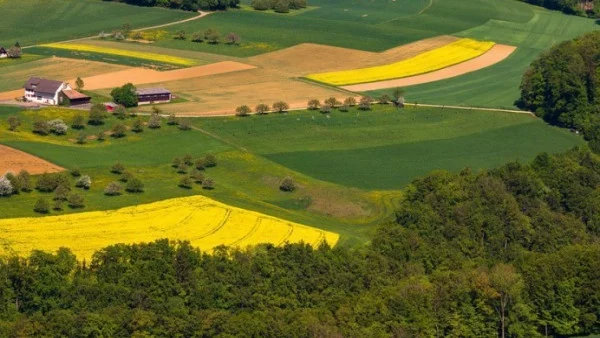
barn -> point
(153, 95)
(74, 98)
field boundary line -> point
(426, 8)
(201, 15)
(514, 111)
(219, 138)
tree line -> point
(574, 7)
(187, 5)
(509, 252)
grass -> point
(41, 21)
(25, 58)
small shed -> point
(153, 95)
(74, 98)
(3, 53)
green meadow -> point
(349, 166)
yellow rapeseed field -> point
(451, 54)
(204, 222)
(120, 52)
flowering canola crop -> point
(202, 221)
(120, 52)
(451, 54)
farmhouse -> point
(3, 53)
(53, 92)
(153, 95)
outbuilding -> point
(3, 53)
(153, 95)
(73, 98)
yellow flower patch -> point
(202, 221)
(451, 54)
(120, 52)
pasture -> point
(202, 221)
(40, 21)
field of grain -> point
(14, 160)
(201, 220)
(451, 54)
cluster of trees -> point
(210, 35)
(125, 95)
(60, 184)
(509, 252)
(187, 5)
(563, 86)
(193, 170)
(575, 7)
(14, 52)
(262, 108)
(279, 6)
(132, 183)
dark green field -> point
(40, 21)
(350, 166)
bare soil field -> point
(14, 160)
(309, 58)
(140, 76)
(493, 56)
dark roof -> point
(74, 95)
(2, 50)
(42, 85)
(152, 91)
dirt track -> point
(493, 56)
(14, 160)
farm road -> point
(201, 15)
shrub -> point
(384, 99)
(332, 101)
(41, 206)
(75, 201)
(261, 108)
(49, 182)
(97, 114)
(125, 95)
(243, 110)
(58, 205)
(41, 127)
(118, 130)
(81, 138)
(25, 180)
(185, 124)
(176, 162)
(126, 176)
(208, 183)
(350, 101)
(186, 182)
(138, 125)
(172, 120)
(287, 184)
(212, 36)
(282, 6)
(6, 188)
(134, 185)
(210, 161)
(326, 108)
(78, 122)
(197, 176)
(199, 164)
(75, 172)
(14, 182)
(58, 127)
(154, 122)
(120, 112)
(182, 168)
(101, 136)
(280, 106)
(180, 35)
(297, 4)
(84, 182)
(117, 168)
(113, 189)
(61, 193)
(313, 104)
(261, 5)
(344, 107)
(365, 103)
(13, 122)
(233, 39)
(197, 37)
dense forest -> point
(576, 7)
(188, 5)
(563, 86)
(511, 252)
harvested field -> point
(140, 76)
(493, 56)
(204, 222)
(312, 58)
(14, 160)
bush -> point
(176, 162)
(384, 99)
(185, 124)
(261, 108)
(332, 102)
(182, 168)
(350, 101)
(287, 184)
(41, 127)
(97, 114)
(58, 127)
(101, 136)
(326, 108)
(81, 138)
(208, 184)
(49, 182)
(261, 5)
(126, 176)
(25, 180)
(134, 185)
(365, 103)
(125, 95)
(58, 205)
(180, 35)
(210, 161)
(41, 206)
(243, 110)
(120, 112)
(233, 39)
(187, 159)
(61, 193)
(84, 182)
(78, 122)
(138, 125)
(197, 37)
(75, 172)
(118, 130)
(313, 104)
(344, 107)
(282, 6)
(75, 201)
(172, 120)
(186, 182)
(13, 122)
(199, 164)
(197, 176)
(14, 182)
(154, 122)
(280, 106)
(6, 188)
(212, 36)
(117, 168)
(113, 189)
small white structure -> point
(44, 91)
(3, 53)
